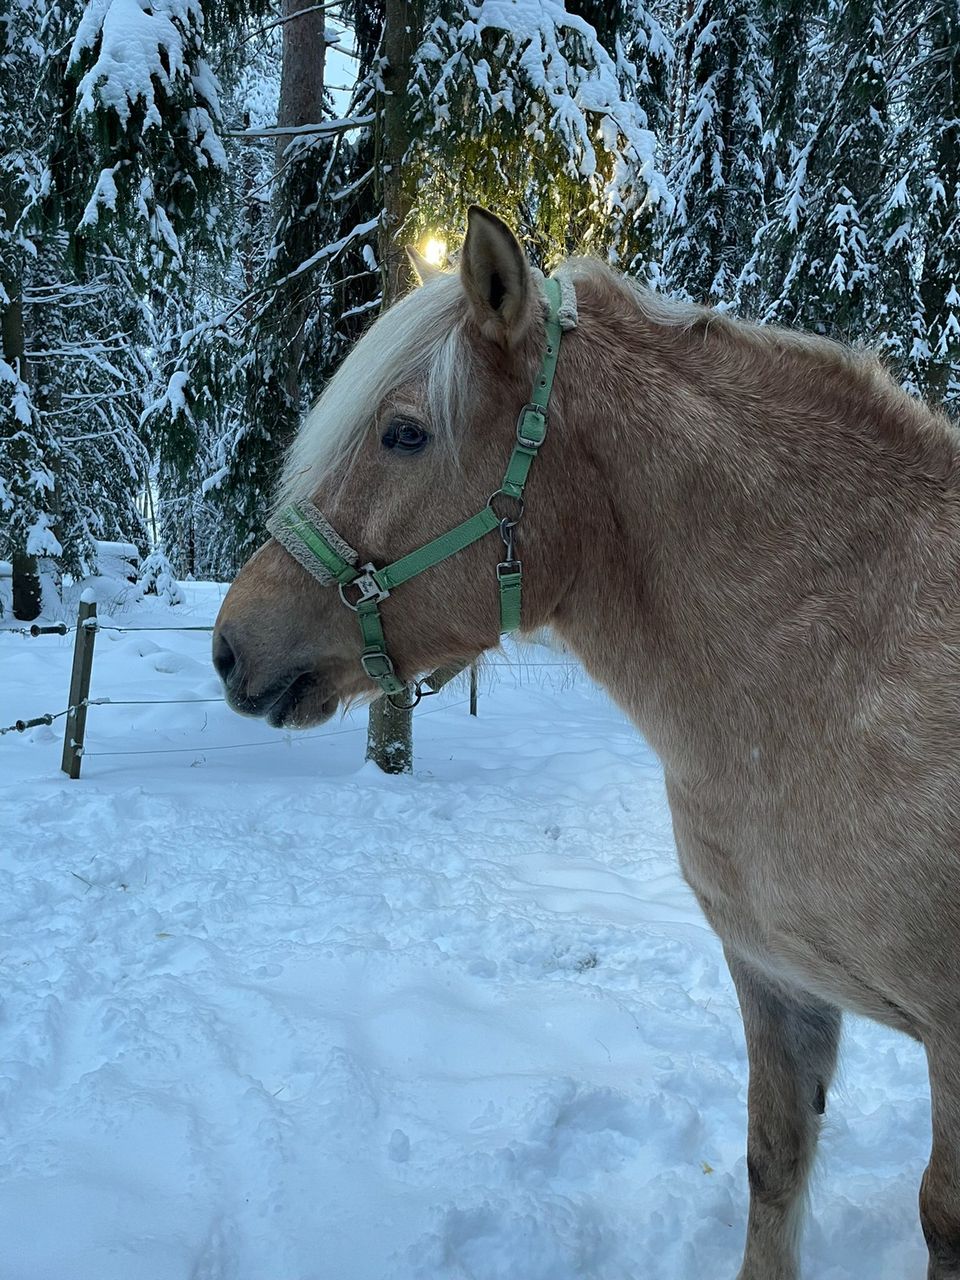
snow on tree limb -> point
(324, 128)
(576, 88)
(528, 107)
(135, 49)
(139, 89)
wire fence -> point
(48, 717)
(270, 742)
(65, 629)
(85, 631)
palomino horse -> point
(752, 540)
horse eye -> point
(405, 435)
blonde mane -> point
(737, 337)
(419, 339)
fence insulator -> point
(23, 725)
(58, 629)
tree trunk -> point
(26, 579)
(301, 102)
(390, 735)
(402, 33)
(27, 595)
(250, 249)
(390, 731)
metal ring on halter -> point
(368, 587)
(502, 493)
(419, 693)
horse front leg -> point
(940, 1190)
(792, 1043)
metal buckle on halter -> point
(532, 416)
(367, 585)
(370, 661)
(506, 567)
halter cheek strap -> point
(315, 544)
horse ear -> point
(424, 270)
(496, 277)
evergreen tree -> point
(138, 157)
(846, 219)
(934, 104)
(73, 374)
(287, 327)
(295, 267)
(139, 170)
(89, 375)
(528, 110)
(717, 174)
(28, 452)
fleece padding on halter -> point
(310, 539)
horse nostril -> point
(224, 659)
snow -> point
(104, 193)
(41, 540)
(573, 83)
(20, 400)
(136, 56)
(176, 392)
(133, 46)
(268, 1014)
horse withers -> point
(751, 538)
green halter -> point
(307, 535)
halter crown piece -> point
(316, 545)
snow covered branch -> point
(324, 128)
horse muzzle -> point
(295, 698)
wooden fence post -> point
(473, 688)
(79, 686)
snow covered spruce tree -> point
(204, 321)
(843, 229)
(301, 267)
(933, 79)
(284, 330)
(73, 373)
(717, 173)
(28, 453)
(138, 172)
(87, 339)
(526, 108)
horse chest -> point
(749, 881)
(716, 870)
(761, 895)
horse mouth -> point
(304, 704)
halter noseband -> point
(316, 545)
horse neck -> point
(736, 506)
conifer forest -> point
(202, 203)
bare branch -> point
(279, 22)
(325, 128)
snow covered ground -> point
(267, 1014)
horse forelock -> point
(418, 340)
